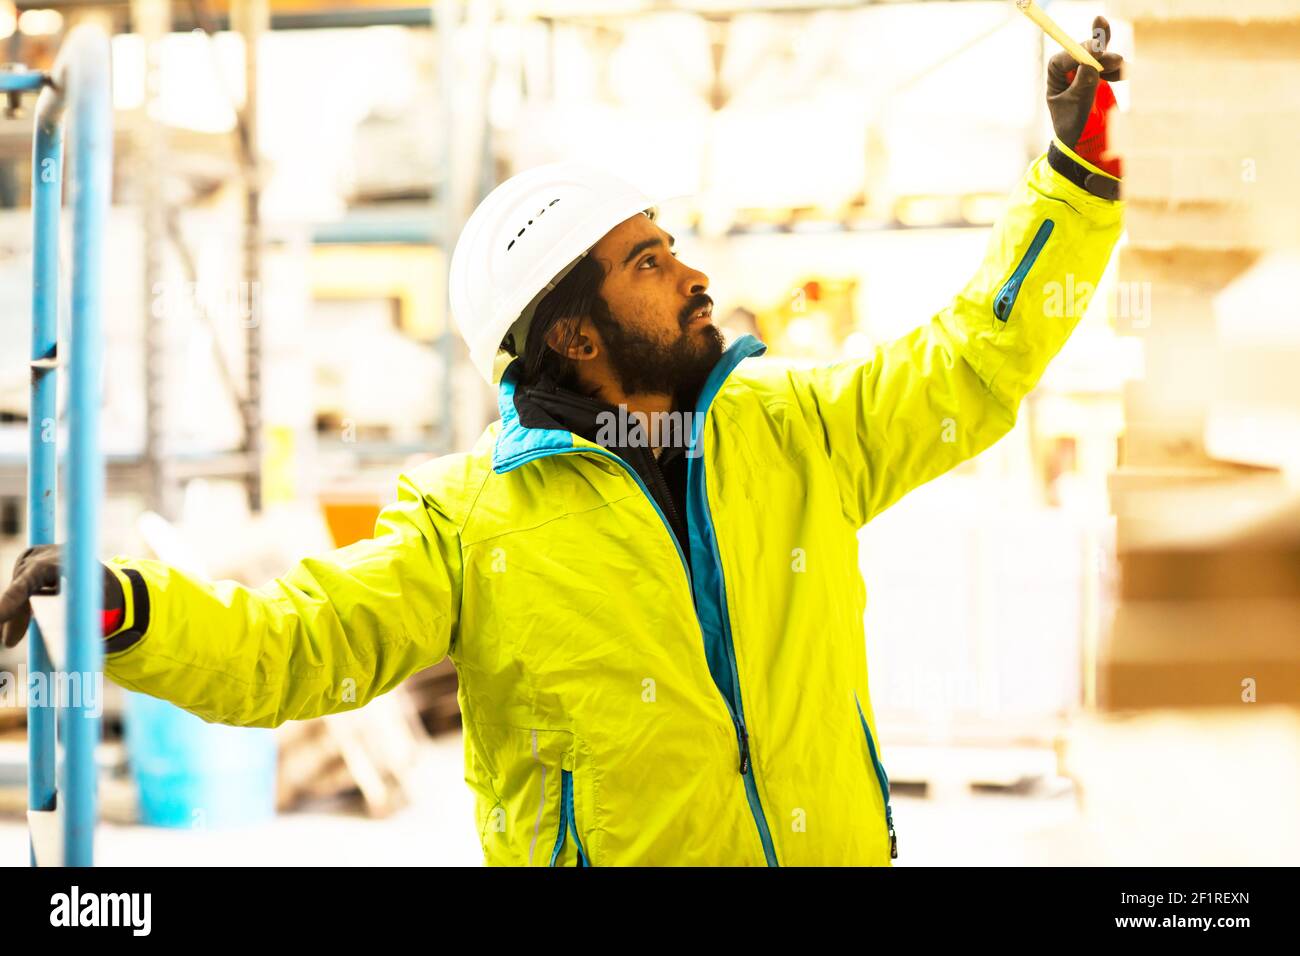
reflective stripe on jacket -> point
(619, 709)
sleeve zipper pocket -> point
(1006, 297)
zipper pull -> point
(893, 837)
(1003, 303)
(744, 751)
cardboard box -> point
(1214, 152)
(1206, 226)
(1254, 412)
(1162, 426)
(1203, 508)
(1204, 653)
(1206, 44)
(1210, 574)
(1228, 89)
(1191, 271)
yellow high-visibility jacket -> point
(620, 708)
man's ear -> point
(573, 339)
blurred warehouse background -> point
(1084, 645)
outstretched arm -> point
(333, 633)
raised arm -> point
(928, 401)
(934, 398)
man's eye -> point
(651, 259)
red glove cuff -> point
(111, 620)
(1093, 145)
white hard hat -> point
(523, 238)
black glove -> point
(1080, 101)
(37, 572)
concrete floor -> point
(954, 829)
(438, 831)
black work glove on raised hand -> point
(37, 571)
(1080, 100)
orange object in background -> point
(350, 520)
(813, 320)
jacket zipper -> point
(1010, 291)
(881, 778)
(738, 718)
(733, 705)
(662, 484)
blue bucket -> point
(194, 774)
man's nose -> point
(694, 282)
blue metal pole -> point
(19, 79)
(47, 181)
(87, 81)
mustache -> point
(697, 302)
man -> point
(659, 637)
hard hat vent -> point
(538, 215)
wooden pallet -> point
(941, 771)
(371, 750)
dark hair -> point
(576, 296)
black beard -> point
(643, 365)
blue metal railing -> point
(80, 87)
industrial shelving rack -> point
(78, 88)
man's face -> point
(659, 335)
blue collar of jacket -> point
(518, 443)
